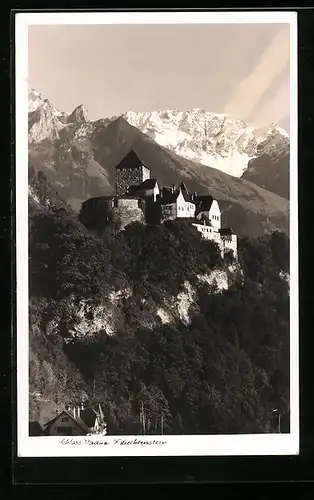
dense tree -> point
(224, 372)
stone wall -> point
(127, 211)
(96, 212)
(168, 212)
(127, 177)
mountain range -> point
(246, 169)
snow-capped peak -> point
(35, 99)
(78, 115)
(45, 121)
(213, 139)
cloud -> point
(272, 62)
(277, 108)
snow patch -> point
(212, 139)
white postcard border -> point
(206, 445)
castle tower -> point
(130, 172)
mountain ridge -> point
(79, 160)
(215, 140)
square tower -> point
(130, 172)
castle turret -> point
(130, 172)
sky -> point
(238, 69)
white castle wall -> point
(145, 173)
(184, 208)
(231, 243)
(225, 243)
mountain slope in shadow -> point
(81, 164)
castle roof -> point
(131, 160)
(188, 197)
(183, 187)
(169, 196)
(98, 198)
(148, 184)
(204, 202)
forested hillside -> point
(221, 371)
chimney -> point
(78, 412)
(74, 412)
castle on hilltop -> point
(140, 198)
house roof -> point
(188, 197)
(131, 160)
(204, 202)
(169, 197)
(183, 187)
(78, 421)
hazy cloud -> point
(115, 68)
(272, 62)
(276, 107)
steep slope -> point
(270, 172)
(138, 319)
(215, 140)
(79, 163)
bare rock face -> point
(79, 159)
(78, 115)
(212, 139)
(45, 121)
(43, 124)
